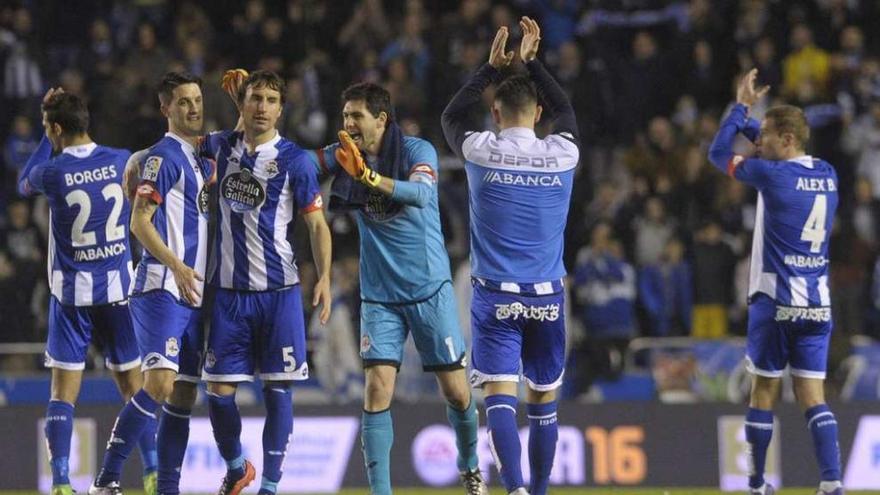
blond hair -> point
(790, 119)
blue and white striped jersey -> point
(797, 201)
(177, 180)
(259, 197)
(89, 254)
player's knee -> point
(183, 394)
(809, 392)
(378, 393)
(159, 384)
(222, 388)
(459, 399)
(540, 396)
(457, 396)
(129, 382)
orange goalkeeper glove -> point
(232, 80)
(349, 156)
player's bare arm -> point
(132, 175)
(142, 228)
(319, 238)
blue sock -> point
(543, 434)
(759, 431)
(377, 435)
(465, 424)
(276, 433)
(130, 424)
(172, 437)
(147, 446)
(504, 439)
(59, 430)
(267, 487)
(823, 426)
(226, 422)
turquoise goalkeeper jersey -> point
(403, 258)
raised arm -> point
(555, 100)
(721, 151)
(30, 182)
(454, 118)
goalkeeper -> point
(389, 181)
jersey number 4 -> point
(113, 231)
(814, 230)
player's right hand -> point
(498, 58)
(231, 82)
(349, 157)
(187, 281)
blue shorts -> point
(169, 334)
(263, 330)
(782, 335)
(71, 328)
(434, 326)
(512, 328)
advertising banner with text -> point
(599, 445)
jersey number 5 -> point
(113, 232)
(814, 229)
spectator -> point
(23, 245)
(714, 261)
(665, 292)
(335, 352)
(148, 57)
(604, 302)
(806, 64)
(605, 288)
(862, 140)
(866, 213)
(411, 48)
(302, 120)
(652, 231)
(645, 90)
(19, 146)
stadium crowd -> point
(658, 241)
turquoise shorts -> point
(432, 322)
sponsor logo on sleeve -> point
(151, 168)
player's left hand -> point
(746, 93)
(349, 156)
(322, 297)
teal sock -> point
(377, 435)
(465, 424)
